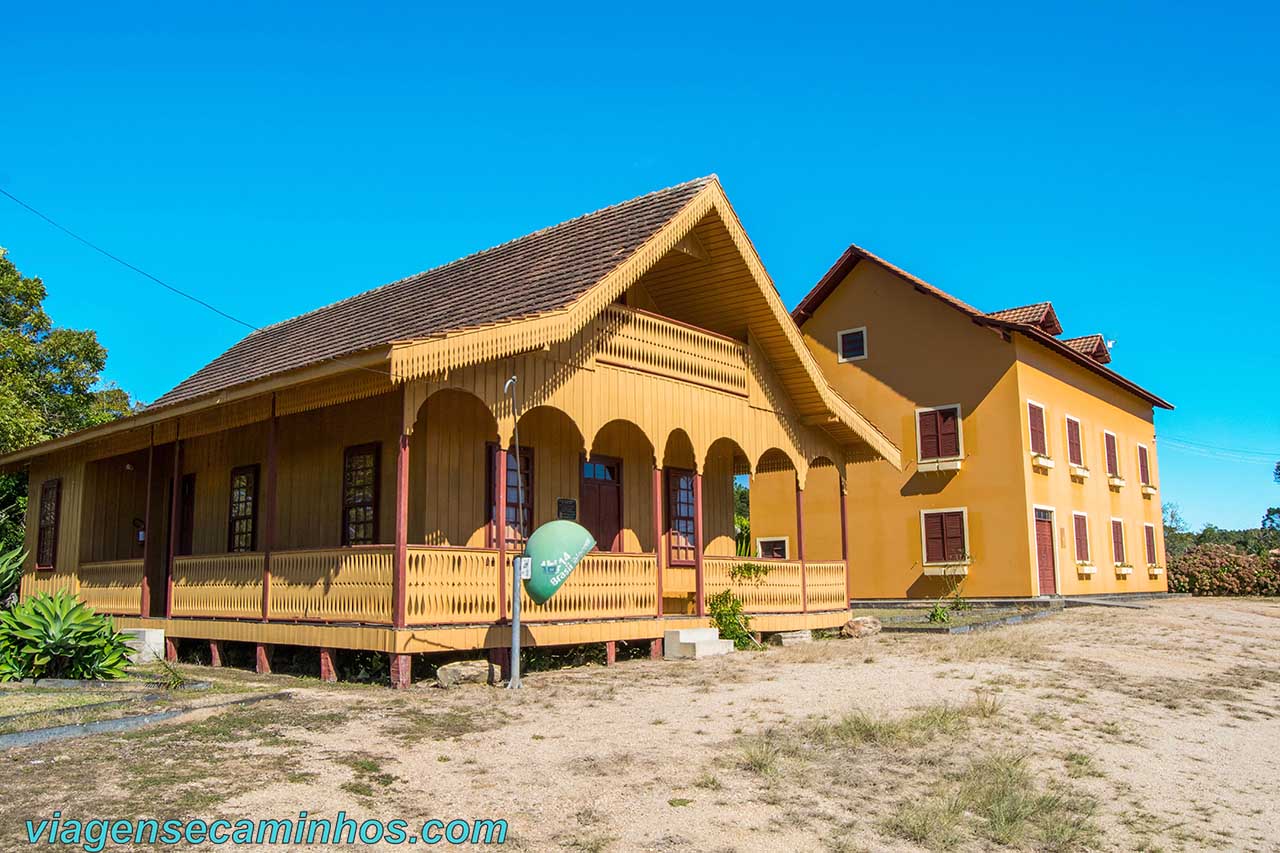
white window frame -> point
(1139, 453)
(1116, 473)
(959, 432)
(866, 348)
(1075, 545)
(1066, 436)
(1154, 559)
(786, 546)
(1124, 541)
(1044, 416)
(924, 548)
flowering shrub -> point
(1223, 570)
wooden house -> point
(348, 478)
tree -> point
(1177, 538)
(1277, 473)
(50, 384)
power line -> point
(124, 263)
(1187, 444)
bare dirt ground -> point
(1107, 729)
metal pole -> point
(514, 682)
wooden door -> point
(1045, 551)
(186, 514)
(601, 501)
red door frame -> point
(1051, 521)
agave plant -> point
(57, 636)
(10, 573)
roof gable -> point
(1041, 315)
(854, 255)
(1094, 346)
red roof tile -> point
(1094, 346)
(1040, 314)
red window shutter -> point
(1082, 538)
(1113, 462)
(927, 423)
(948, 432)
(1151, 545)
(934, 543)
(1144, 466)
(1117, 540)
(1075, 453)
(953, 535)
(1035, 415)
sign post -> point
(514, 682)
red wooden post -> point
(269, 517)
(804, 581)
(144, 603)
(697, 542)
(401, 671)
(655, 649)
(262, 658)
(215, 653)
(500, 525)
(610, 652)
(844, 536)
(175, 522)
(398, 589)
(170, 650)
(327, 672)
(657, 529)
(500, 657)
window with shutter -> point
(852, 344)
(1075, 450)
(1117, 540)
(1113, 458)
(1082, 538)
(1144, 466)
(1150, 532)
(938, 432)
(47, 536)
(1035, 417)
(944, 536)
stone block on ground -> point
(463, 672)
(860, 626)
(145, 644)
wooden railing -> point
(603, 586)
(332, 585)
(654, 344)
(451, 586)
(825, 585)
(779, 591)
(112, 586)
(679, 580)
(225, 586)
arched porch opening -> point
(725, 499)
(774, 522)
(552, 448)
(451, 457)
(617, 489)
(823, 495)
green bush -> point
(725, 610)
(1223, 570)
(10, 572)
(57, 636)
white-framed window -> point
(851, 344)
(1117, 540)
(1080, 525)
(773, 548)
(1037, 429)
(1075, 442)
(939, 433)
(944, 536)
(1112, 447)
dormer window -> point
(852, 344)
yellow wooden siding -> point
(448, 492)
(211, 457)
(115, 497)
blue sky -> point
(1119, 161)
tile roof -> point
(539, 272)
(1094, 346)
(855, 254)
(1040, 314)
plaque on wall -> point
(567, 508)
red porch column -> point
(400, 570)
(500, 525)
(655, 649)
(144, 604)
(842, 496)
(269, 509)
(175, 520)
(262, 658)
(327, 672)
(697, 542)
(610, 652)
(804, 581)
(215, 653)
(170, 650)
(657, 529)
(401, 671)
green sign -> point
(556, 549)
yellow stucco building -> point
(1029, 466)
